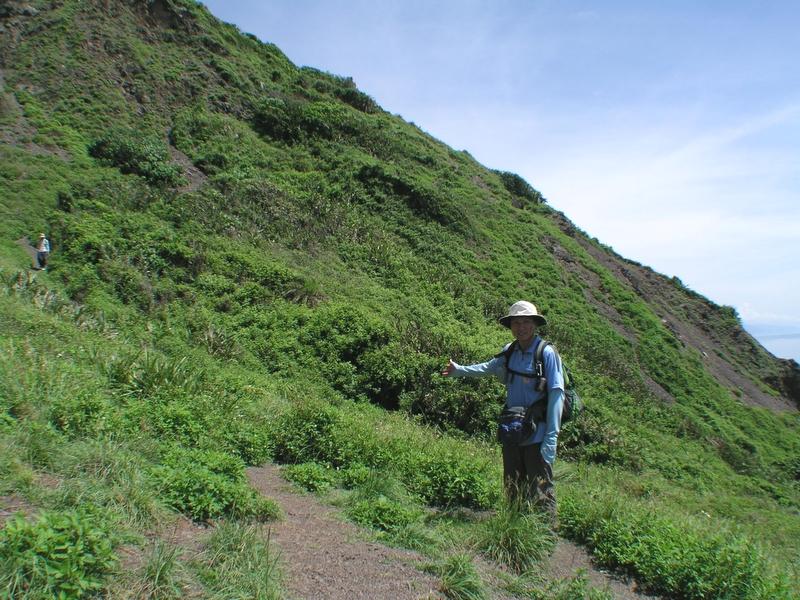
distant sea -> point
(783, 344)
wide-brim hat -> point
(522, 309)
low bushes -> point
(208, 484)
(678, 559)
(312, 477)
(441, 471)
(83, 414)
(382, 513)
(133, 153)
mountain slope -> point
(211, 200)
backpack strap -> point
(538, 364)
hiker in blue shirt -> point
(42, 251)
(528, 463)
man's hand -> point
(448, 370)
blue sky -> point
(668, 130)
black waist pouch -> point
(515, 425)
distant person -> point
(528, 457)
(42, 252)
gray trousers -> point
(528, 477)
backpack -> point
(572, 401)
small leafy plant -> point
(61, 554)
(310, 476)
(382, 513)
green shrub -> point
(248, 439)
(523, 193)
(595, 437)
(60, 555)
(677, 560)
(177, 419)
(308, 433)
(439, 473)
(84, 414)
(206, 484)
(134, 153)
(444, 477)
(380, 512)
(279, 119)
(310, 476)
(239, 562)
(355, 475)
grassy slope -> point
(346, 254)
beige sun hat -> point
(522, 309)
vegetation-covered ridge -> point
(254, 261)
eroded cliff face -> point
(734, 357)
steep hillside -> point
(239, 236)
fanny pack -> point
(515, 425)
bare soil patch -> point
(195, 178)
(568, 558)
(10, 506)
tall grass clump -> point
(460, 580)
(516, 537)
(114, 474)
(161, 573)
(537, 587)
(162, 576)
(240, 562)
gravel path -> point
(325, 558)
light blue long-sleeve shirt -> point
(521, 391)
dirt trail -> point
(324, 557)
(568, 558)
(25, 244)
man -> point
(42, 251)
(527, 465)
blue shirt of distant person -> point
(527, 467)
